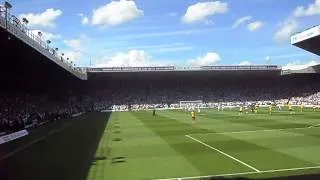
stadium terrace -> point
(60, 121)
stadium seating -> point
(20, 109)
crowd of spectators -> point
(148, 98)
(19, 111)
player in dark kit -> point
(154, 112)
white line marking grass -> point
(243, 173)
(221, 152)
(261, 130)
(249, 172)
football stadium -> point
(61, 121)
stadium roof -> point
(14, 33)
(308, 40)
(308, 70)
(173, 68)
(191, 72)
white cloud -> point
(115, 13)
(312, 9)
(211, 58)
(202, 10)
(128, 59)
(44, 19)
(297, 65)
(165, 33)
(73, 55)
(46, 35)
(173, 47)
(240, 21)
(155, 46)
(85, 20)
(76, 47)
(255, 26)
(291, 25)
(267, 58)
(75, 44)
(287, 28)
(245, 63)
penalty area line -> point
(221, 152)
(262, 130)
(242, 173)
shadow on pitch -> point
(117, 139)
(119, 159)
(96, 159)
(66, 155)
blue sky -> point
(181, 33)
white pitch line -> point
(243, 173)
(208, 176)
(34, 141)
(229, 156)
(262, 130)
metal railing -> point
(251, 67)
(19, 29)
(188, 68)
(2, 10)
(131, 69)
(173, 68)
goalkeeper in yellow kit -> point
(301, 107)
(290, 108)
(193, 116)
(270, 109)
(240, 110)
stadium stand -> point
(308, 40)
(14, 30)
(145, 90)
(39, 86)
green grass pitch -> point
(136, 145)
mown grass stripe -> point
(226, 154)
